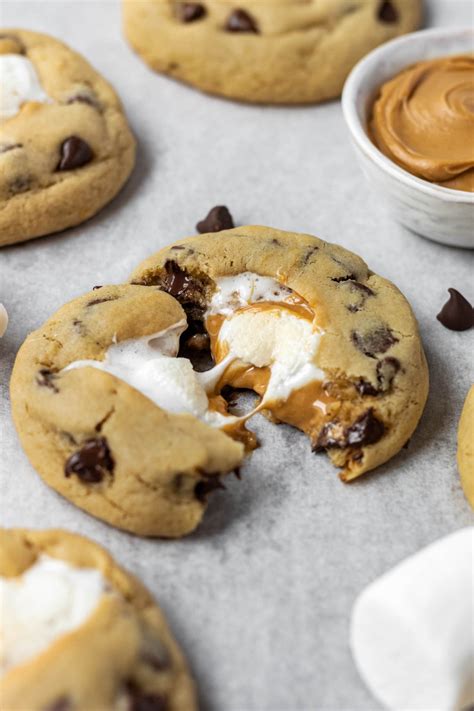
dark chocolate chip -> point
(457, 314)
(92, 462)
(331, 435)
(206, 486)
(219, 218)
(367, 429)
(94, 302)
(373, 342)
(178, 247)
(190, 11)
(241, 21)
(62, 704)
(140, 700)
(387, 368)
(387, 12)
(99, 286)
(45, 379)
(198, 342)
(177, 281)
(74, 153)
(365, 388)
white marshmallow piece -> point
(49, 600)
(412, 630)
(3, 320)
(150, 365)
(19, 83)
(235, 292)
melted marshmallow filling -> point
(49, 600)
(250, 333)
(19, 83)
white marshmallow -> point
(234, 292)
(3, 320)
(149, 365)
(277, 338)
(49, 600)
(19, 82)
(412, 631)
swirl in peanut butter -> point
(423, 120)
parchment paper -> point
(260, 596)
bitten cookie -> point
(466, 447)
(264, 52)
(120, 442)
(65, 145)
(80, 633)
(330, 347)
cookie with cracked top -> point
(367, 401)
(65, 145)
(100, 441)
(93, 639)
(264, 52)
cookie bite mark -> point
(74, 153)
(92, 462)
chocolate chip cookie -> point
(466, 447)
(330, 347)
(65, 145)
(264, 52)
(113, 421)
(80, 633)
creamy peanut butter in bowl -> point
(409, 107)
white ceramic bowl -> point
(441, 214)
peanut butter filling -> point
(423, 120)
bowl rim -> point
(359, 73)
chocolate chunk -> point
(74, 153)
(363, 387)
(62, 704)
(140, 700)
(457, 314)
(219, 218)
(198, 342)
(205, 486)
(387, 12)
(98, 286)
(241, 21)
(190, 11)
(92, 462)
(178, 247)
(367, 429)
(177, 282)
(331, 435)
(377, 341)
(45, 379)
(357, 287)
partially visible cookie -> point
(264, 52)
(65, 145)
(331, 347)
(130, 451)
(466, 447)
(79, 633)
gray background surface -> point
(260, 596)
